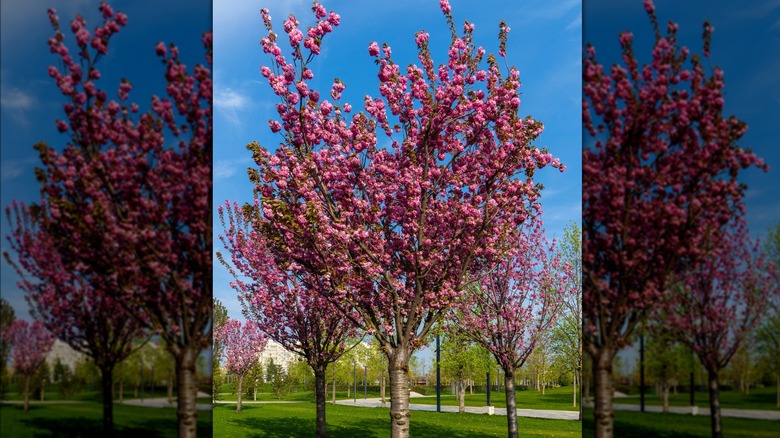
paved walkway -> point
(756, 414)
(536, 413)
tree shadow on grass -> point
(90, 428)
(632, 430)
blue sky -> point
(31, 101)
(544, 43)
(745, 45)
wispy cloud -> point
(227, 168)
(11, 169)
(15, 99)
(556, 10)
(229, 99)
(576, 23)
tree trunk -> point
(186, 390)
(41, 392)
(471, 387)
(461, 396)
(121, 391)
(400, 415)
(170, 389)
(107, 374)
(604, 392)
(717, 431)
(384, 403)
(240, 392)
(334, 390)
(574, 384)
(511, 404)
(319, 395)
(254, 392)
(778, 389)
(27, 393)
(665, 395)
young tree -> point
(663, 169)
(76, 305)
(719, 301)
(277, 378)
(6, 319)
(116, 181)
(284, 300)
(219, 317)
(513, 308)
(29, 344)
(396, 231)
(460, 359)
(242, 345)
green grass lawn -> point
(554, 398)
(86, 419)
(297, 420)
(759, 398)
(559, 399)
(636, 424)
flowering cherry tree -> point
(662, 170)
(395, 230)
(719, 301)
(242, 345)
(282, 298)
(512, 308)
(29, 345)
(123, 204)
(75, 305)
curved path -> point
(756, 414)
(535, 413)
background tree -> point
(719, 301)
(116, 181)
(513, 308)
(6, 319)
(568, 328)
(460, 360)
(29, 344)
(398, 230)
(276, 376)
(288, 303)
(666, 361)
(242, 344)
(255, 379)
(662, 170)
(219, 317)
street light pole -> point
(438, 376)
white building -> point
(274, 351)
(65, 353)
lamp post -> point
(438, 375)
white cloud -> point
(229, 99)
(11, 169)
(555, 10)
(15, 99)
(227, 168)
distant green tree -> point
(219, 316)
(277, 378)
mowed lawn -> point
(759, 398)
(298, 420)
(85, 419)
(559, 399)
(657, 425)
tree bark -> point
(319, 395)
(717, 431)
(511, 404)
(461, 396)
(604, 392)
(170, 389)
(400, 415)
(778, 389)
(107, 374)
(665, 395)
(121, 391)
(574, 384)
(186, 390)
(26, 393)
(334, 390)
(240, 392)
(384, 403)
